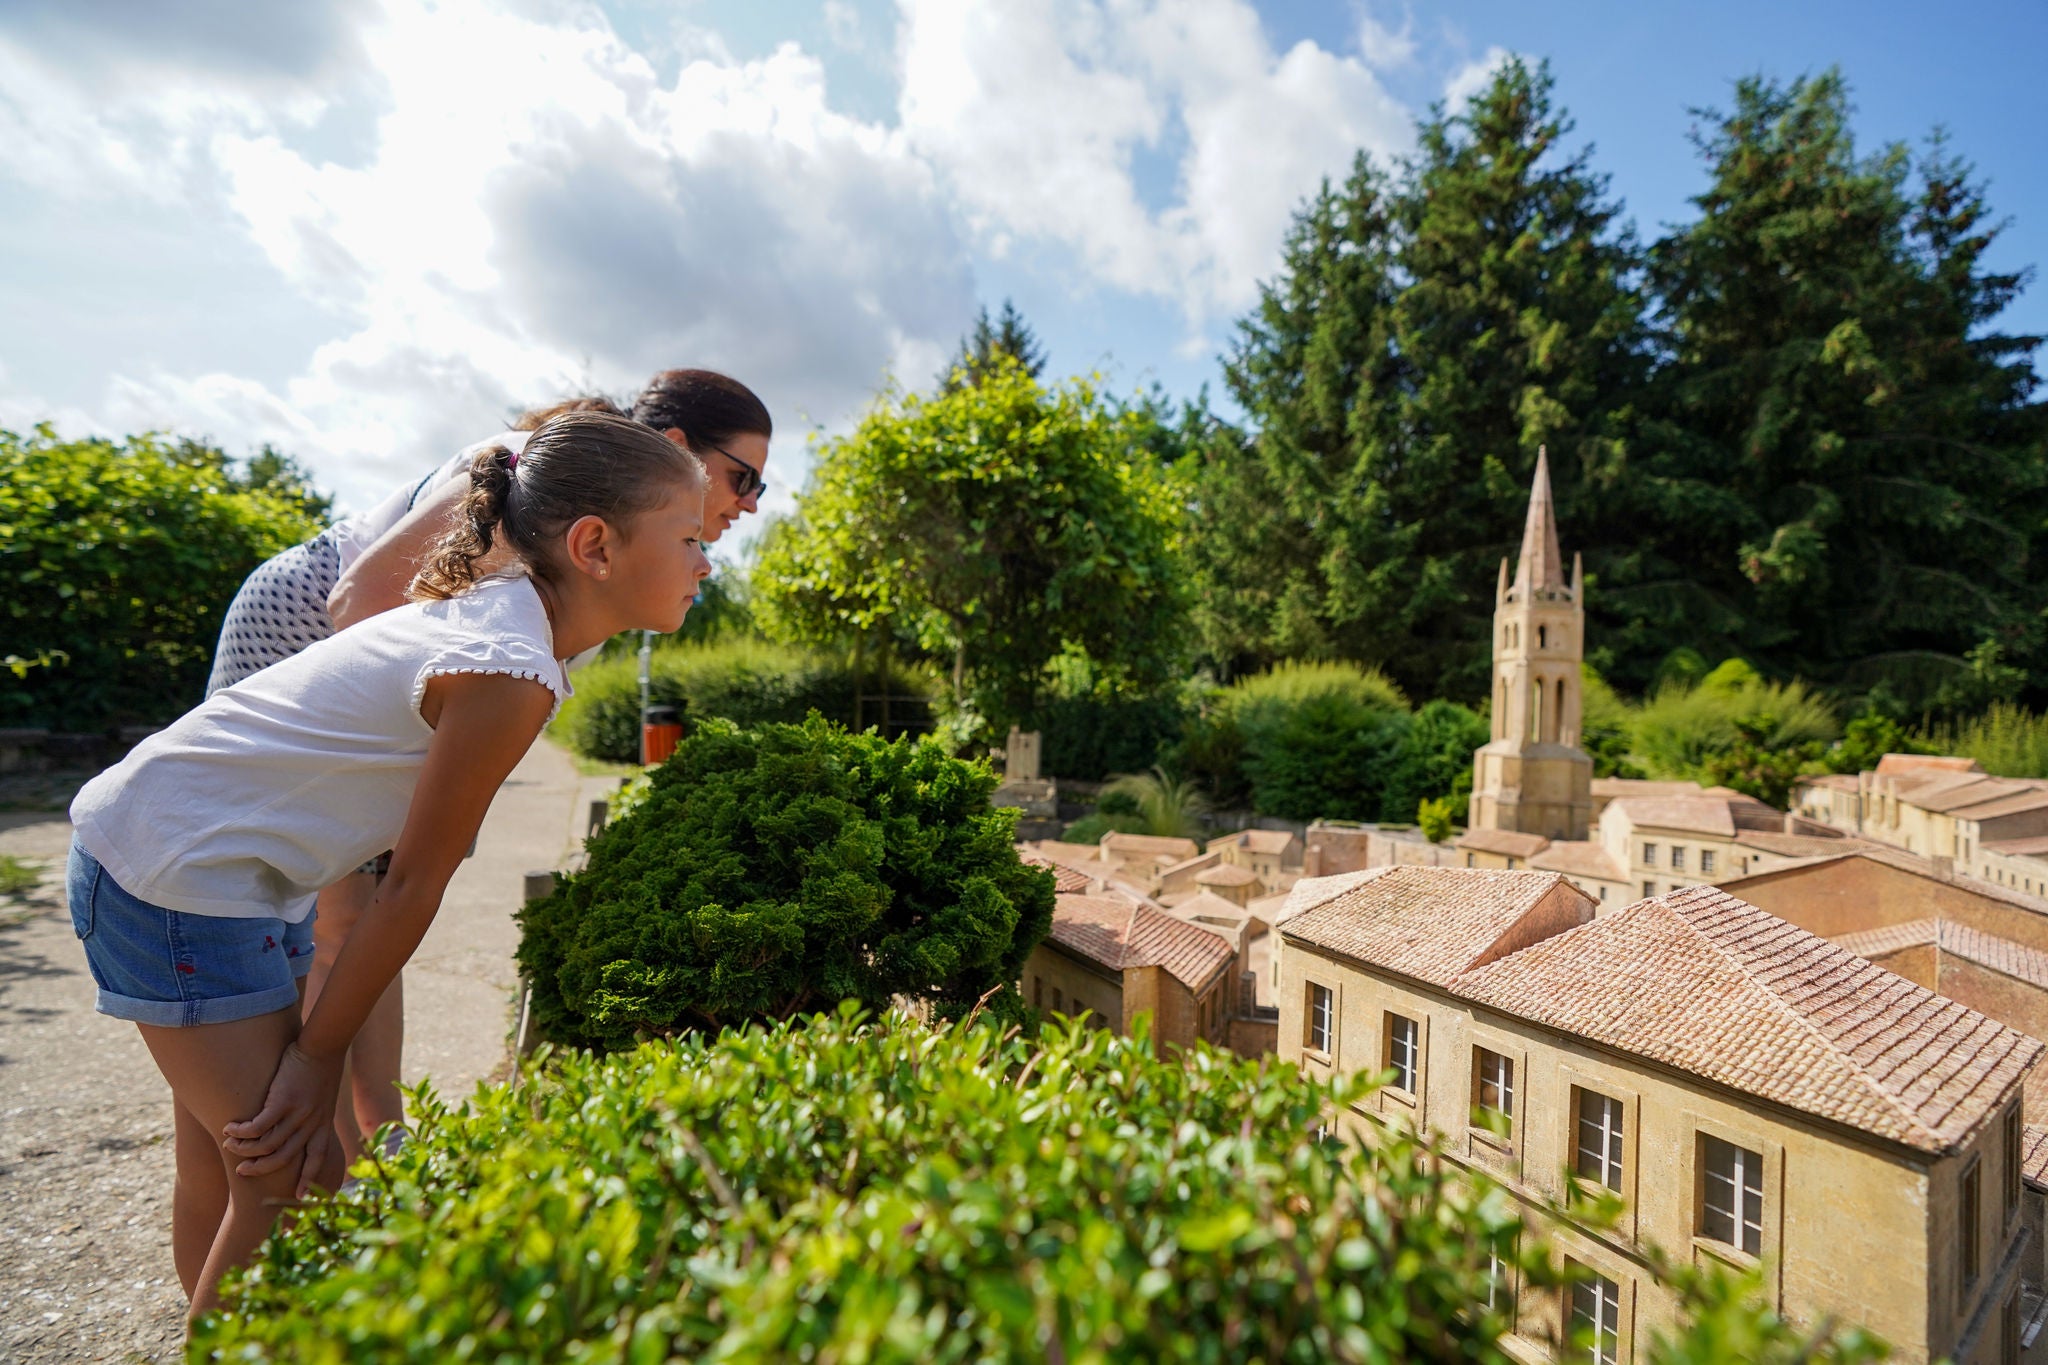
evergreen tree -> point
(1881, 463)
(1007, 335)
(1312, 367)
(1421, 342)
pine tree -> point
(1007, 335)
(1879, 461)
(1311, 367)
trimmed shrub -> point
(1679, 732)
(117, 563)
(876, 1191)
(1089, 829)
(779, 870)
(1302, 741)
(749, 682)
(1434, 766)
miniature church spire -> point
(1541, 567)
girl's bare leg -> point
(219, 1074)
(199, 1200)
(370, 1089)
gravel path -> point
(85, 1120)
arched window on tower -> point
(1543, 637)
(1535, 730)
(1557, 713)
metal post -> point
(646, 686)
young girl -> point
(196, 852)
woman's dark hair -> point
(581, 464)
(707, 407)
(533, 419)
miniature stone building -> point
(1755, 1096)
(1112, 957)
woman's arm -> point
(483, 725)
(377, 581)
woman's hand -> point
(297, 1119)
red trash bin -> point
(660, 731)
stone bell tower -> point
(1533, 777)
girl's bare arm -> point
(483, 724)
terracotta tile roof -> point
(1257, 840)
(1580, 858)
(1188, 866)
(1313, 891)
(1701, 814)
(1945, 792)
(2000, 955)
(1429, 923)
(2035, 847)
(1507, 843)
(1616, 788)
(2011, 804)
(1795, 845)
(1063, 878)
(1892, 938)
(1898, 859)
(1123, 934)
(2034, 1155)
(1151, 846)
(1711, 985)
(1910, 763)
(1225, 874)
(1062, 854)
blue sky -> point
(365, 229)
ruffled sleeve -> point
(515, 658)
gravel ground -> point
(86, 1159)
(85, 1151)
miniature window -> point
(1967, 1222)
(1649, 855)
(1542, 637)
(1469, 862)
(1649, 890)
(1706, 862)
(1321, 1009)
(1732, 1195)
(1500, 1296)
(1404, 1052)
(1059, 1004)
(1037, 992)
(1599, 1144)
(1677, 858)
(1596, 1319)
(1494, 1088)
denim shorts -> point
(175, 970)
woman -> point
(364, 565)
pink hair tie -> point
(511, 459)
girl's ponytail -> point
(579, 464)
(450, 567)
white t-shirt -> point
(280, 785)
(353, 535)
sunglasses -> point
(751, 480)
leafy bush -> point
(1090, 828)
(2008, 740)
(746, 681)
(1435, 761)
(1301, 741)
(1677, 731)
(875, 1191)
(117, 563)
(779, 870)
(1434, 819)
(1088, 738)
(1164, 806)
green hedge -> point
(1309, 741)
(117, 563)
(781, 869)
(874, 1191)
(746, 681)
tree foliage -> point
(117, 563)
(779, 870)
(1835, 376)
(989, 530)
(873, 1190)
(989, 344)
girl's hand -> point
(297, 1119)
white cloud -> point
(1037, 113)
(1473, 77)
(537, 212)
(1383, 47)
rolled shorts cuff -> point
(225, 1009)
